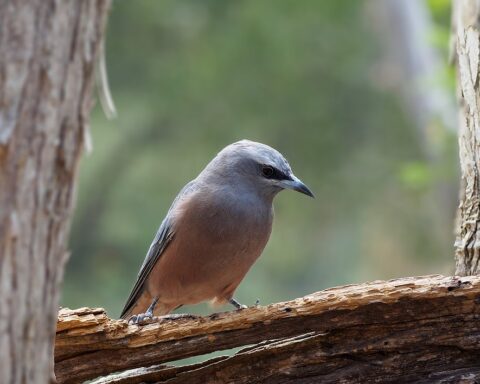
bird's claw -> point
(142, 319)
(236, 304)
(146, 318)
(178, 316)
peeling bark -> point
(47, 55)
(466, 29)
(406, 330)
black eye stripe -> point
(273, 173)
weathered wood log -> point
(424, 329)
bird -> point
(216, 228)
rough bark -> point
(47, 55)
(465, 22)
(407, 330)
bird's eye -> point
(267, 171)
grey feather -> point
(162, 239)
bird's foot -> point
(142, 319)
(236, 304)
(177, 316)
(147, 318)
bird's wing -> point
(162, 238)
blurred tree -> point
(415, 69)
(47, 56)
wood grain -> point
(409, 329)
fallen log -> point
(424, 329)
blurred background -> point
(358, 95)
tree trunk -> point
(466, 32)
(47, 54)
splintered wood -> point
(424, 329)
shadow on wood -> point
(422, 329)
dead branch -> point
(424, 329)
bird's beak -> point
(297, 185)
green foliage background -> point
(190, 77)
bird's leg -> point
(236, 304)
(143, 318)
(150, 309)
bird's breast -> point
(227, 219)
(216, 241)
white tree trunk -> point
(466, 33)
(47, 55)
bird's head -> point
(257, 166)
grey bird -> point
(215, 230)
